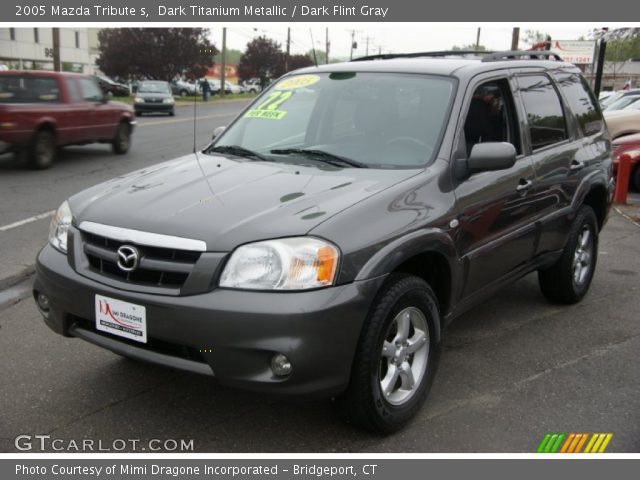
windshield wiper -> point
(238, 151)
(322, 156)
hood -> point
(229, 202)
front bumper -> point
(153, 107)
(230, 334)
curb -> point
(17, 278)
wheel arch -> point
(428, 254)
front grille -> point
(153, 344)
(158, 267)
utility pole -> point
(286, 58)
(326, 45)
(55, 32)
(478, 40)
(515, 38)
(223, 62)
(367, 49)
(353, 43)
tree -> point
(232, 57)
(535, 38)
(471, 47)
(155, 53)
(298, 61)
(262, 59)
(320, 55)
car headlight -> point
(59, 227)
(168, 100)
(297, 263)
(138, 100)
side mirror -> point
(218, 131)
(485, 157)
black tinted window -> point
(581, 101)
(544, 110)
(27, 89)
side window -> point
(544, 111)
(73, 90)
(581, 101)
(491, 116)
(90, 90)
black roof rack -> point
(522, 55)
(486, 56)
(444, 53)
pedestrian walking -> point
(206, 89)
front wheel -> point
(568, 280)
(397, 356)
(122, 140)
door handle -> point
(524, 185)
(576, 165)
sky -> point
(394, 37)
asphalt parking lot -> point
(512, 370)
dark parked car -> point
(153, 96)
(111, 87)
(43, 111)
(322, 242)
(183, 89)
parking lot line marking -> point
(178, 120)
(35, 218)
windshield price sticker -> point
(298, 81)
(269, 108)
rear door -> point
(561, 154)
(496, 233)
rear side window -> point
(581, 101)
(26, 89)
(544, 111)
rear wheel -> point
(122, 140)
(43, 150)
(568, 280)
(397, 356)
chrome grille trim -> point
(143, 238)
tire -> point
(382, 362)
(172, 113)
(568, 280)
(122, 140)
(183, 93)
(43, 150)
(635, 178)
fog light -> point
(43, 302)
(280, 365)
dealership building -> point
(32, 48)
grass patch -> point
(189, 100)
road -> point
(512, 370)
(27, 193)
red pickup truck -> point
(42, 111)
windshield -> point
(623, 102)
(154, 87)
(381, 120)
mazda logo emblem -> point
(128, 258)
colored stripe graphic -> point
(556, 442)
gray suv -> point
(321, 243)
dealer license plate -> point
(120, 318)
